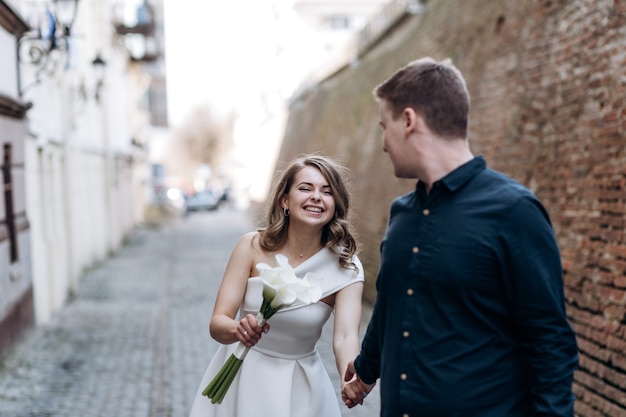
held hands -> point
(248, 330)
(354, 390)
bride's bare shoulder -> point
(251, 241)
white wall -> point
(82, 193)
(8, 69)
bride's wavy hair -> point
(337, 234)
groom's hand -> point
(354, 390)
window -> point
(336, 22)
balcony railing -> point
(142, 24)
(391, 14)
(137, 34)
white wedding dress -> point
(283, 375)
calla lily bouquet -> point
(281, 288)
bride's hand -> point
(354, 390)
(249, 332)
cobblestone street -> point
(134, 340)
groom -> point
(470, 315)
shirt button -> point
(415, 249)
(409, 291)
(426, 212)
(403, 377)
(405, 333)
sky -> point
(226, 52)
(239, 56)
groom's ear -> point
(410, 119)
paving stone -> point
(134, 340)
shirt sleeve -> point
(533, 281)
(367, 364)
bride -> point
(283, 374)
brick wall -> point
(548, 87)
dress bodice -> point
(293, 332)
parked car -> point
(203, 200)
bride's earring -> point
(286, 211)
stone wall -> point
(548, 87)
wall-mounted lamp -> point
(52, 34)
(83, 92)
(99, 65)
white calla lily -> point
(285, 295)
(283, 278)
(269, 291)
(308, 289)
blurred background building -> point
(79, 97)
(91, 145)
(16, 289)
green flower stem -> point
(217, 388)
(228, 379)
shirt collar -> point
(455, 179)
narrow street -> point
(134, 340)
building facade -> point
(16, 286)
(75, 124)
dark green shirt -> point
(470, 317)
